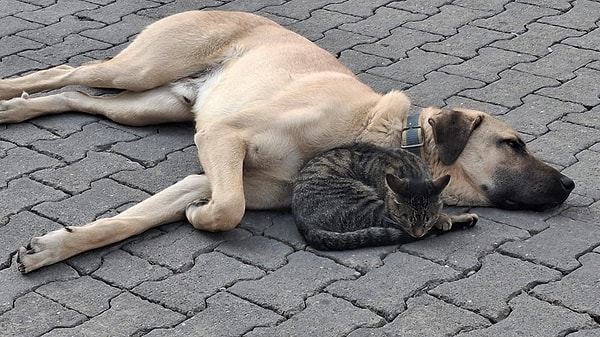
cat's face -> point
(414, 206)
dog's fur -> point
(265, 100)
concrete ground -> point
(534, 64)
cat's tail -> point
(373, 236)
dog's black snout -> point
(567, 183)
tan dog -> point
(265, 100)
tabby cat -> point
(364, 195)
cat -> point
(363, 195)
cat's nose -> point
(418, 232)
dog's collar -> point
(412, 135)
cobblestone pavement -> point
(535, 64)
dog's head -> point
(493, 165)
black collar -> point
(412, 135)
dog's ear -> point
(451, 132)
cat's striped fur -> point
(364, 195)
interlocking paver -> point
(462, 249)
(127, 316)
(534, 318)
(580, 290)
(285, 290)
(242, 316)
(344, 317)
(568, 239)
(533, 64)
(385, 289)
(211, 272)
(487, 291)
(427, 316)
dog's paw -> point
(14, 110)
(41, 251)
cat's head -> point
(414, 204)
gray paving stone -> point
(23, 193)
(469, 103)
(462, 249)
(53, 14)
(25, 134)
(531, 221)
(172, 7)
(286, 289)
(177, 166)
(48, 315)
(494, 6)
(63, 51)
(448, 20)
(56, 32)
(114, 12)
(343, 317)
(359, 62)
(64, 124)
(20, 228)
(590, 40)
(568, 238)
(585, 174)
(154, 148)
(487, 64)
(357, 7)
(104, 194)
(559, 147)
(562, 5)
(411, 69)
(127, 316)
(320, 21)
(514, 17)
(467, 42)
(16, 65)
(586, 333)
(581, 89)
(588, 118)
(544, 35)
(582, 16)
(579, 290)
(257, 250)
(11, 7)
(561, 63)
(399, 43)
(78, 176)
(19, 161)
(386, 289)
(298, 9)
(510, 88)
(127, 271)
(75, 294)
(15, 285)
(187, 292)
(533, 318)
(382, 22)
(241, 317)
(426, 316)
(438, 87)
(15, 44)
(537, 112)
(363, 260)
(119, 32)
(10, 25)
(487, 291)
(336, 41)
(382, 84)
(430, 7)
(75, 146)
(284, 229)
(178, 249)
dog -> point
(264, 100)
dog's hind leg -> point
(166, 206)
(154, 106)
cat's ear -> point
(451, 132)
(396, 184)
(440, 183)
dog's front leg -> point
(222, 152)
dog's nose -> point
(567, 183)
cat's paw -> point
(444, 223)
